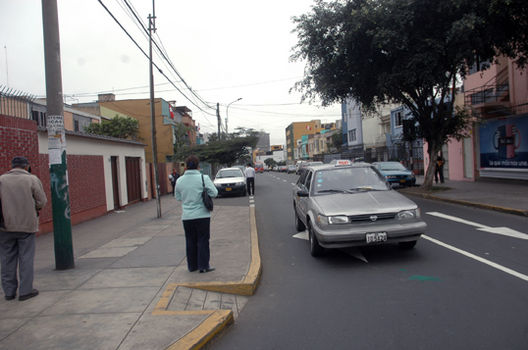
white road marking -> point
(302, 235)
(352, 251)
(284, 180)
(478, 258)
(292, 184)
(505, 231)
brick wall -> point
(18, 137)
(85, 172)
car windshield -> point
(229, 173)
(391, 166)
(348, 180)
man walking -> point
(21, 197)
(250, 179)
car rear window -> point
(229, 173)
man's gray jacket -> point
(21, 194)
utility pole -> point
(152, 28)
(218, 117)
(60, 196)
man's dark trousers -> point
(197, 243)
(17, 248)
(250, 184)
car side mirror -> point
(302, 193)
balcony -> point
(491, 99)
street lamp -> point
(227, 109)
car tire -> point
(299, 225)
(407, 245)
(315, 249)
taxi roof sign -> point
(340, 162)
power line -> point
(159, 70)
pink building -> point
(497, 144)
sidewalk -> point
(506, 196)
(130, 288)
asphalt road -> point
(464, 286)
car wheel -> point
(315, 249)
(407, 245)
(299, 225)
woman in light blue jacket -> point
(195, 216)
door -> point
(133, 179)
(468, 158)
(115, 182)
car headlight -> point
(332, 220)
(241, 183)
(408, 214)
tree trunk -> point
(432, 150)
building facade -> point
(295, 131)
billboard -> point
(504, 143)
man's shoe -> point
(209, 269)
(34, 293)
(10, 297)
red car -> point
(259, 167)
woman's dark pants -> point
(197, 243)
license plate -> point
(402, 181)
(228, 189)
(376, 237)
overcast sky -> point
(223, 49)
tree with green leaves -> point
(225, 151)
(270, 163)
(181, 140)
(408, 52)
(121, 127)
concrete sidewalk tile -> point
(180, 298)
(158, 251)
(66, 332)
(127, 242)
(160, 331)
(9, 325)
(197, 300)
(108, 252)
(62, 280)
(31, 307)
(213, 301)
(107, 300)
(139, 277)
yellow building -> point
(296, 130)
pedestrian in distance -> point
(21, 197)
(439, 168)
(250, 179)
(195, 216)
(173, 177)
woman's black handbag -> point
(208, 201)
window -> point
(308, 180)
(352, 135)
(398, 119)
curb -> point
(468, 203)
(217, 320)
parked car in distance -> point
(291, 169)
(283, 168)
(353, 205)
(396, 174)
(230, 181)
(241, 167)
(259, 167)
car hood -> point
(229, 180)
(395, 172)
(370, 202)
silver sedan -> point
(353, 205)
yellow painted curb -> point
(218, 319)
(199, 336)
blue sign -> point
(504, 143)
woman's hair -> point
(192, 162)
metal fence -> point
(14, 103)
